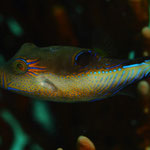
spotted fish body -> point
(69, 74)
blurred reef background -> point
(121, 28)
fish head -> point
(39, 71)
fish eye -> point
(20, 66)
(83, 58)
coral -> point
(83, 143)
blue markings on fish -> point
(69, 74)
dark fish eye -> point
(83, 58)
(20, 66)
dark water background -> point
(112, 124)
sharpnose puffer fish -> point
(69, 74)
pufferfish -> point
(69, 74)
